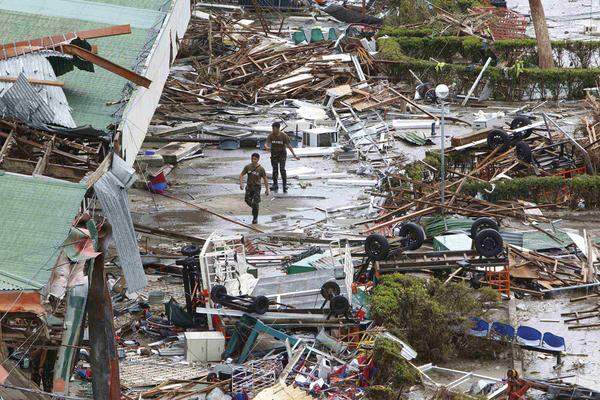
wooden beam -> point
(33, 81)
(26, 167)
(104, 63)
(149, 230)
(43, 161)
(7, 144)
(56, 151)
(51, 41)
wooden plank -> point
(149, 230)
(27, 167)
(425, 211)
(33, 81)
(470, 137)
(88, 34)
(106, 64)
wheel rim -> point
(489, 244)
(496, 140)
(375, 248)
(412, 239)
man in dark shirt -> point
(255, 172)
(278, 142)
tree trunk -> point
(541, 34)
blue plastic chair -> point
(552, 342)
(332, 35)
(316, 35)
(502, 331)
(528, 336)
(299, 37)
(480, 327)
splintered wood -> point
(244, 64)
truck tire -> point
(520, 121)
(330, 289)
(523, 152)
(260, 305)
(414, 234)
(218, 293)
(488, 243)
(190, 250)
(482, 223)
(339, 305)
(377, 247)
(498, 138)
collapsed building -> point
(79, 83)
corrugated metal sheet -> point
(111, 190)
(35, 66)
(35, 217)
(22, 102)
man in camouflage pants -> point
(254, 172)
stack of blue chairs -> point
(523, 335)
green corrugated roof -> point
(35, 218)
(87, 93)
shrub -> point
(392, 369)
(581, 190)
(432, 317)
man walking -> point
(277, 142)
(255, 173)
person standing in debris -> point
(255, 173)
(277, 142)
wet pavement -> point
(583, 346)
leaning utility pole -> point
(541, 34)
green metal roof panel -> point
(35, 216)
(87, 93)
(149, 4)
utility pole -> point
(541, 34)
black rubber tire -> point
(488, 243)
(523, 152)
(497, 137)
(414, 234)
(218, 293)
(339, 305)
(482, 223)
(190, 250)
(520, 121)
(330, 289)
(260, 305)
(377, 247)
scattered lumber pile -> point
(241, 63)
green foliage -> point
(425, 313)
(488, 294)
(403, 12)
(380, 392)
(582, 189)
(397, 31)
(391, 48)
(392, 370)
(529, 83)
(418, 44)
